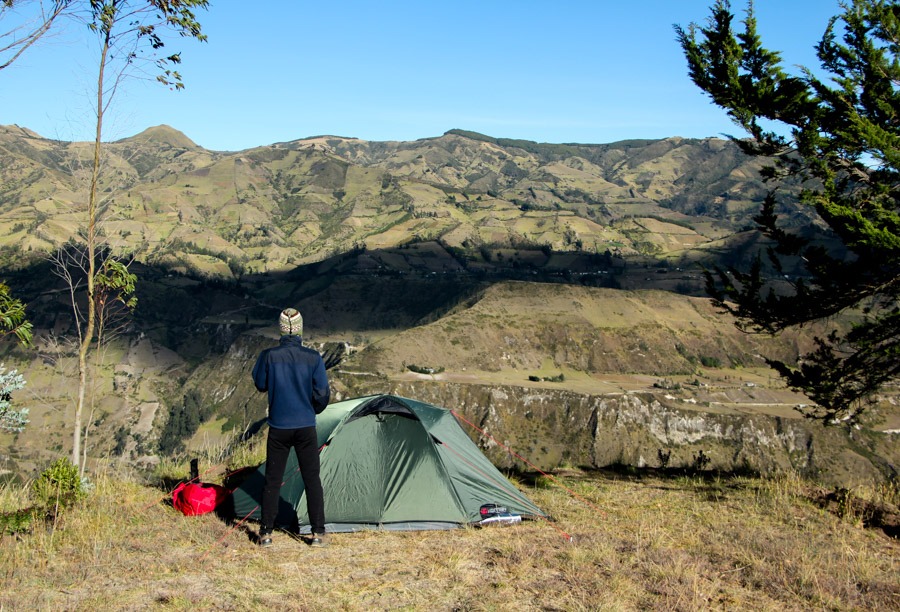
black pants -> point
(278, 446)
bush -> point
(58, 485)
(701, 460)
(57, 488)
(664, 456)
(11, 420)
(18, 521)
(710, 362)
(558, 378)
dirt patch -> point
(147, 414)
(145, 355)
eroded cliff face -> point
(550, 428)
(553, 427)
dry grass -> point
(640, 543)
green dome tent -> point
(390, 462)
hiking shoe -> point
(319, 540)
(265, 540)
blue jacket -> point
(294, 376)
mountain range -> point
(463, 268)
(222, 214)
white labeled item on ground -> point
(501, 519)
(495, 514)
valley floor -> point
(725, 391)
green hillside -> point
(462, 268)
(224, 214)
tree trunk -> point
(91, 246)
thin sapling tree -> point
(130, 35)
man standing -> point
(294, 376)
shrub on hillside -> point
(558, 378)
(424, 369)
(13, 420)
(58, 487)
(710, 362)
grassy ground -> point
(637, 542)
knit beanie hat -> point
(290, 322)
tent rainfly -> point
(392, 463)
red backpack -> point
(193, 498)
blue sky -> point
(590, 71)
